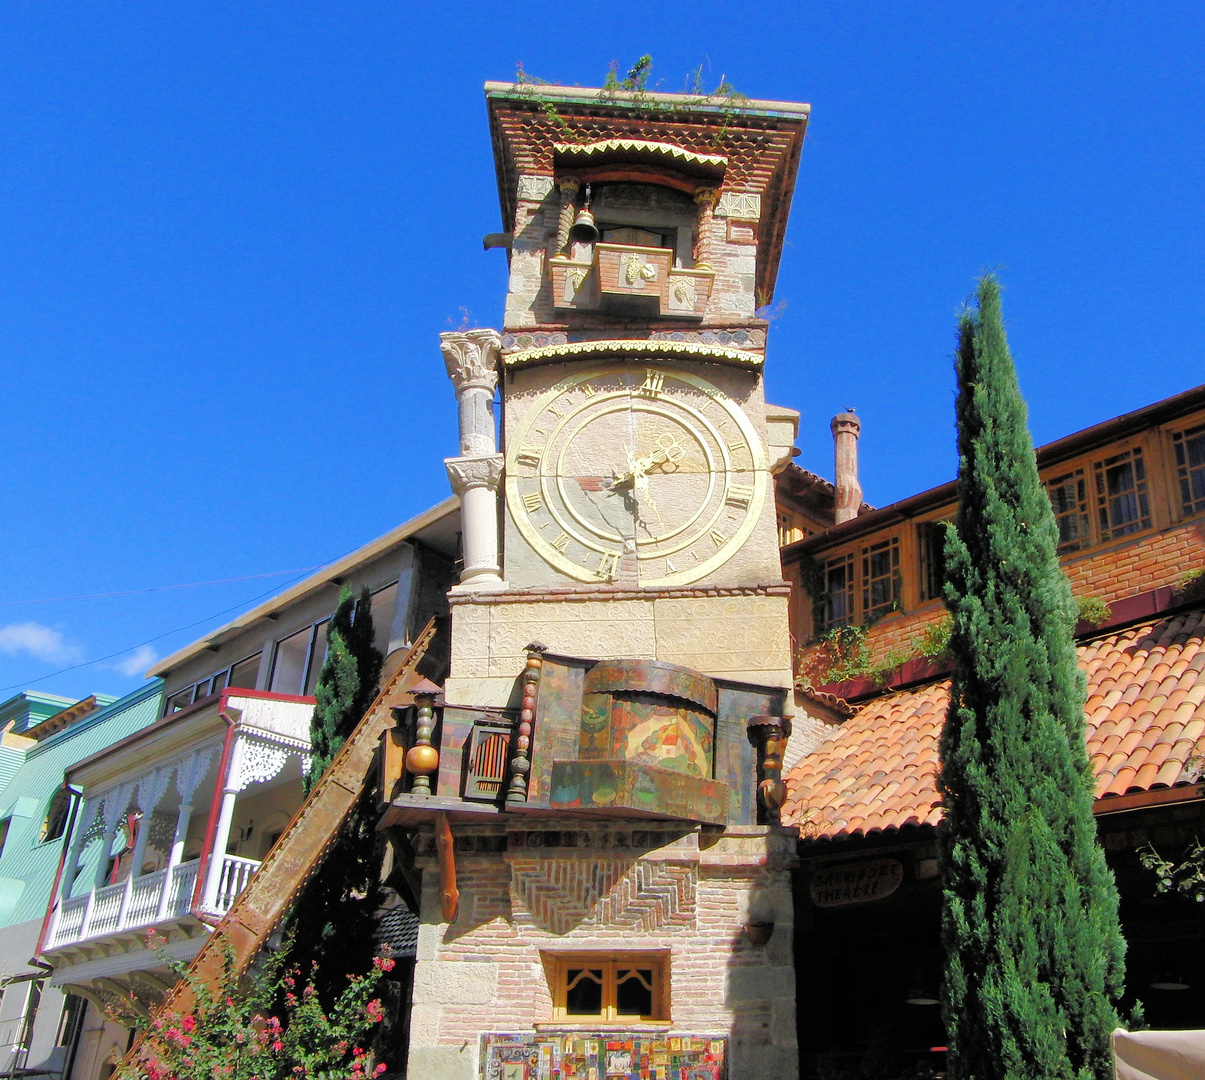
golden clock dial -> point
(651, 462)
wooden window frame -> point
(188, 695)
(1082, 510)
(928, 548)
(851, 592)
(1182, 490)
(891, 545)
(559, 965)
(1102, 499)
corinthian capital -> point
(471, 357)
(474, 472)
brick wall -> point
(1119, 570)
(484, 972)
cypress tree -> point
(333, 919)
(1034, 952)
(347, 683)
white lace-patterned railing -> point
(236, 873)
(140, 902)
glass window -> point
(5, 825)
(317, 656)
(244, 673)
(56, 815)
(383, 603)
(1121, 497)
(839, 591)
(178, 700)
(1069, 501)
(634, 991)
(931, 536)
(627, 986)
(881, 578)
(288, 668)
(1190, 469)
(70, 1019)
(583, 991)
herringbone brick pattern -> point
(562, 894)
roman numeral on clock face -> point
(561, 542)
(739, 495)
(529, 456)
(532, 501)
(718, 537)
(608, 566)
(653, 385)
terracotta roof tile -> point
(1146, 715)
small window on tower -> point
(610, 988)
(635, 237)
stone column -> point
(846, 427)
(472, 359)
(706, 198)
(569, 188)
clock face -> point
(649, 462)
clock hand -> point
(643, 490)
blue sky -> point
(230, 234)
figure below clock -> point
(650, 461)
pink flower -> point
(189, 1023)
(374, 1011)
(381, 1067)
(384, 963)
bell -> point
(584, 231)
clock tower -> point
(637, 449)
(593, 798)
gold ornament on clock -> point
(652, 463)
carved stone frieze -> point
(739, 206)
(535, 188)
(474, 472)
(471, 357)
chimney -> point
(846, 428)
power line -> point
(157, 637)
(161, 588)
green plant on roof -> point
(632, 90)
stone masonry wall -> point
(484, 972)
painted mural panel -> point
(603, 1056)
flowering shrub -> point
(236, 1031)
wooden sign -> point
(856, 882)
